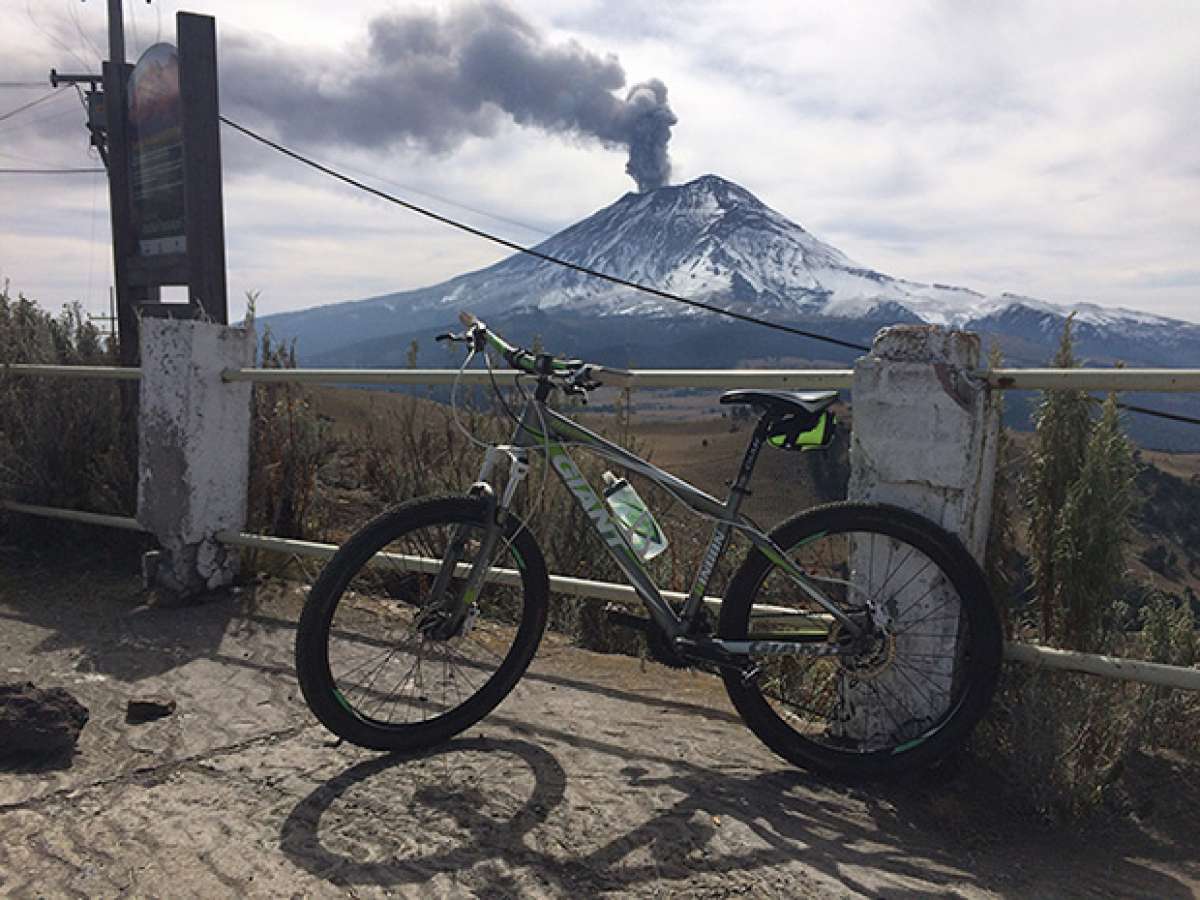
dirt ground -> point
(598, 776)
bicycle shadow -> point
(483, 837)
(876, 841)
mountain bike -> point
(855, 639)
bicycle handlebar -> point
(576, 376)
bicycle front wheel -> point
(901, 697)
(368, 670)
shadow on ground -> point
(900, 845)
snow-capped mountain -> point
(711, 240)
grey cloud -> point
(431, 81)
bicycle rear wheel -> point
(376, 679)
(902, 698)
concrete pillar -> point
(924, 438)
(194, 448)
(925, 430)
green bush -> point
(1062, 740)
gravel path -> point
(600, 775)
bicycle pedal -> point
(622, 618)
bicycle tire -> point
(360, 617)
(862, 715)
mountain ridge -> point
(714, 241)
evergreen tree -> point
(1002, 563)
(1062, 424)
(1094, 525)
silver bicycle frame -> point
(563, 432)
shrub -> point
(289, 444)
(63, 442)
(1062, 740)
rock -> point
(148, 708)
(37, 722)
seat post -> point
(750, 457)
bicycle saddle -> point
(806, 403)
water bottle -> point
(634, 518)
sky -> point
(1046, 149)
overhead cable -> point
(537, 254)
(529, 251)
(50, 171)
(32, 103)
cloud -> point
(431, 81)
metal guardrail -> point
(1030, 654)
(1148, 380)
(73, 515)
(118, 373)
(1151, 380)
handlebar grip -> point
(444, 336)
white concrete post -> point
(924, 438)
(194, 448)
(925, 430)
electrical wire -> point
(51, 37)
(32, 103)
(24, 159)
(17, 126)
(1156, 413)
(537, 254)
(613, 279)
(22, 84)
(71, 11)
(51, 171)
(541, 232)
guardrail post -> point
(194, 449)
(924, 438)
(926, 429)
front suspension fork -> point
(447, 610)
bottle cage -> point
(803, 431)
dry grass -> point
(63, 442)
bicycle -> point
(855, 639)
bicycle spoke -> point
(387, 670)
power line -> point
(22, 84)
(529, 251)
(29, 122)
(49, 36)
(79, 29)
(50, 171)
(512, 245)
(1156, 413)
(32, 103)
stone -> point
(148, 708)
(39, 722)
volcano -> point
(712, 240)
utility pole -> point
(116, 32)
(164, 173)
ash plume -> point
(430, 81)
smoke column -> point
(430, 81)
